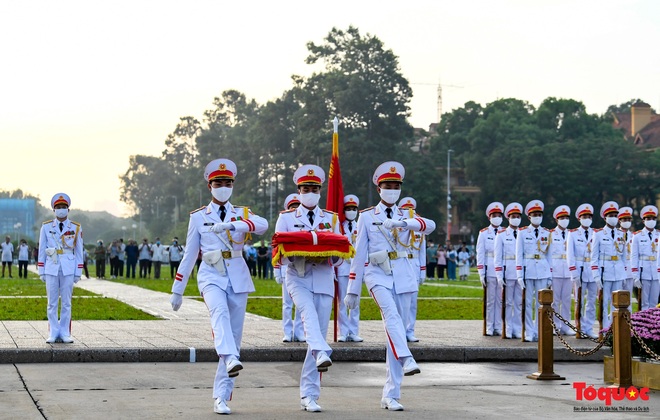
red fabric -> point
(302, 244)
(335, 201)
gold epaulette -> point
(639, 231)
(573, 230)
(329, 211)
(48, 221)
(242, 207)
(196, 210)
(287, 211)
(75, 223)
(598, 230)
(522, 228)
(501, 230)
(367, 209)
(551, 230)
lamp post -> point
(17, 229)
(134, 227)
(176, 209)
(449, 152)
(123, 228)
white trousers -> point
(513, 308)
(493, 306)
(650, 290)
(532, 287)
(412, 316)
(315, 311)
(394, 309)
(561, 300)
(588, 313)
(57, 287)
(629, 284)
(291, 328)
(348, 320)
(227, 311)
(608, 288)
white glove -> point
(548, 285)
(389, 223)
(599, 284)
(576, 281)
(482, 279)
(219, 227)
(421, 280)
(42, 278)
(76, 279)
(278, 280)
(176, 300)
(638, 283)
(500, 281)
(521, 283)
(351, 301)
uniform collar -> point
(215, 208)
(380, 208)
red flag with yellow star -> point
(335, 201)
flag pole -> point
(335, 152)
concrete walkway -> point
(186, 335)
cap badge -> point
(222, 166)
(310, 172)
(392, 169)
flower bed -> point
(647, 325)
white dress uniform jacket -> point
(644, 264)
(505, 255)
(532, 256)
(578, 254)
(373, 237)
(558, 255)
(200, 237)
(65, 247)
(609, 254)
(486, 251)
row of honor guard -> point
(514, 263)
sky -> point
(84, 85)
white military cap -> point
(60, 198)
(351, 200)
(389, 171)
(534, 205)
(407, 203)
(513, 208)
(220, 169)
(627, 212)
(609, 207)
(561, 211)
(583, 209)
(494, 207)
(309, 175)
(649, 211)
(291, 199)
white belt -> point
(609, 258)
(647, 258)
(559, 256)
(509, 257)
(232, 254)
(65, 251)
(490, 254)
(534, 257)
(583, 259)
(398, 254)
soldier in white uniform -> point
(645, 258)
(561, 278)
(505, 270)
(389, 274)
(348, 320)
(608, 258)
(310, 281)
(533, 264)
(219, 230)
(417, 248)
(486, 269)
(60, 265)
(578, 257)
(625, 223)
(293, 330)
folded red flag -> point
(311, 244)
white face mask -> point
(612, 221)
(586, 222)
(310, 200)
(496, 221)
(389, 196)
(515, 222)
(649, 223)
(626, 225)
(61, 213)
(536, 220)
(350, 214)
(563, 223)
(222, 194)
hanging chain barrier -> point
(601, 342)
(569, 325)
(641, 342)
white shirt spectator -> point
(23, 252)
(158, 251)
(7, 251)
(145, 252)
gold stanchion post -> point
(546, 356)
(621, 341)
